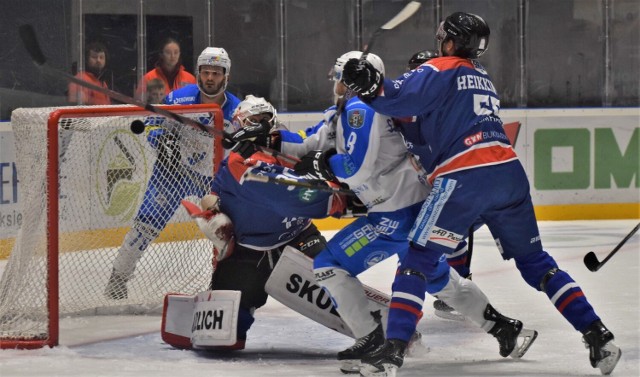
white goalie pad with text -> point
(208, 319)
(293, 284)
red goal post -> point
(83, 176)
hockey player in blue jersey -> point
(364, 150)
(265, 217)
(476, 176)
(183, 166)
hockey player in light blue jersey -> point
(183, 167)
(364, 150)
(476, 176)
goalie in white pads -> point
(364, 149)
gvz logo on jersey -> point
(355, 117)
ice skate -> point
(442, 310)
(116, 287)
(350, 358)
(385, 361)
(415, 345)
(603, 353)
(514, 340)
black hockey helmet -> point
(420, 57)
(469, 32)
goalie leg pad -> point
(208, 320)
(293, 284)
(348, 298)
(465, 296)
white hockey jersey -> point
(372, 157)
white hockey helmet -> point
(336, 72)
(215, 56)
(252, 105)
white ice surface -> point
(282, 343)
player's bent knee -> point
(535, 267)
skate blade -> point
(607, 364)
(415, 346)
(453, 315)
(525, 340)
(385, 370)
(350, 366)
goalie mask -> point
(253, 111)
(335, 74)
(214, 57)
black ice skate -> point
(116, 287)
(603, 353)
(442, 310)
(509, 331)
(350, 358)
(385, 361)
(415, 345)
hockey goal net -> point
(83, 176)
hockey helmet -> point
(469, 32)
(420, 57)
(215, 56)
(336, 72)
(252, 105)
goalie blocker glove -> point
(315, 165)
(363, 78)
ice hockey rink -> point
(282, 343)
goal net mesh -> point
(102, 171)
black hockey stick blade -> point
(591, 260)
(28, 36)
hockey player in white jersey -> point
(364, 150)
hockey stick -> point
(591, 260)
(399, 18)
(467, 263)
(290, 182)
(28, 36)
(30, 41)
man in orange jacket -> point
(95, 61)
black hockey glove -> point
(245, 149)
(168, 150)
(355, 207)
(258, 134)
(362, 77)
(315, 165)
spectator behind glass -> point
(169, 70)
(95, 62)
(155, 91)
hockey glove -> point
(315, 165)
(257, 133)
(355, 207)
(215, 225)
(362, 77)
(168, 150)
